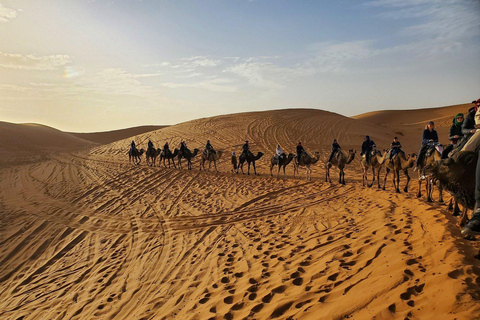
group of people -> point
(464, 135)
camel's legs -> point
(254, 168)
(378, 177)
(408, 180)
(419, 194)
(464, 218)
(440, 191)
(387, 171)
(284, 171)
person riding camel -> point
(133, 148)
(335, 148)
(300, 151)
(367, 147)
(455, 135)
(183, 147)
(150, 145)
(209, 149)
(470, 128)
(279, 153)
(429, 140)
(245, 148)
(166, 148)
(395, 147)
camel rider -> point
(183, 147)
(335, 148)
(245, 148)
(429, 140)
(133, 148)
(165, 148)
(150, 144)
(367, 147)
(454, 135)
(209, 149)
(396, 147)
(300, 151)
(470, 128)
(472, 228)
(279, 153)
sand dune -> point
(114, 135)
(86, 235)
(21, 143)
(409, 124)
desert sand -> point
(86, 235)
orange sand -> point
(86, 235)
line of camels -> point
(450, 174)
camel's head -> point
(351, 155)
(291, 156)
(259, 155)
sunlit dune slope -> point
(30, 142)
(106, 137)
(314, 128)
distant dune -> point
(115, 135)
(21, 143)
(409, 124)
(314, 128)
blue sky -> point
(101, 65)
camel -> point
(152, 153)
(249, 158)
(169, 156)
(306, 161)
(428, 160)
(376, 162)
(457, 176)
(213, 157)
(187, 155)
(281, 163)
(398, 163)
(340, 160)
(135, 156)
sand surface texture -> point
(86, 235)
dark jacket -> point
(300, 150)
(429, 135)
(208, 146)
(246, 148)
(367, 146)
(165, 147)
(455, 131)
(395, 145)
(335, 147)
(469, 122)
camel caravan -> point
(452, 168)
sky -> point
(98, 65)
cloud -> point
(32, 62)
(441, 19)
(333, 57)
(260, 74)
(7, 14)
(215, 84)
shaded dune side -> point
(21, 143)
(114, 135)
